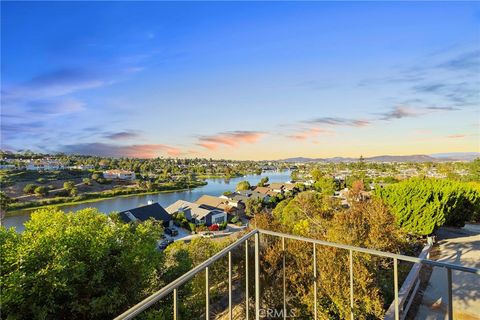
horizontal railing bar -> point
(375, 252)
(147, 302)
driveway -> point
(458, 246)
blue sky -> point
(241, 80)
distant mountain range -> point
(437, 157)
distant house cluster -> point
(206, 210)
(119, 174)
(44, 165)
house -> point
(277, 187)
(196, 214)
(235, 199)
(263, 190)
(154, 210)
(289, 187)
(211, 202)
(119, 174)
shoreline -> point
(24, 210)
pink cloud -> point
(309, 133)
(230, 138)
(113, 150)
(456, 136)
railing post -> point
(246, 280)
(230, 285)
(450, 294)
(257, 276)
(395, 285)
(207, 296)
(175, 304)
(284, 281)
(314, 281)
(351, 284)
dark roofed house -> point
(154, 210)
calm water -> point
(215, 187)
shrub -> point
(422, 205)
(192, 227)
(213, 227)
(234, 219)
(41, 180)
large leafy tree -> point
(366, 224)
(82, 265)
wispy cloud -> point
(468, 61)
(112, 150)
(54, 84)
(337, 121)
(442, 108)
(399, 112)
(230, 138)
(122, 135)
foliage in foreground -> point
(311, 214)
(87, 265)
(81, 265)
(422, 205)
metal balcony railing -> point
(172, 288)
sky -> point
(240, 80)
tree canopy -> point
(80, 265)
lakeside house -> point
(211, 202)
(235, 199)
(153, 210)
(119, 174)
(197, 214)
(277, 187)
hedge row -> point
(422, 205)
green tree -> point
(79, 265)
(263, 182)
(253, 206)
(41, 191)
(325, 185)
(243, 185)
(4, 201)
(87, 181)
(73, 192)
(68, 185)
(29, 188)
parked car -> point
(164, 244)
(208, 235)
(171, 232)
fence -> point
(399, 295)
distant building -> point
(44, 165)
(119, 174)
(82, 167)
(154, 210)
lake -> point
(215, 187)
